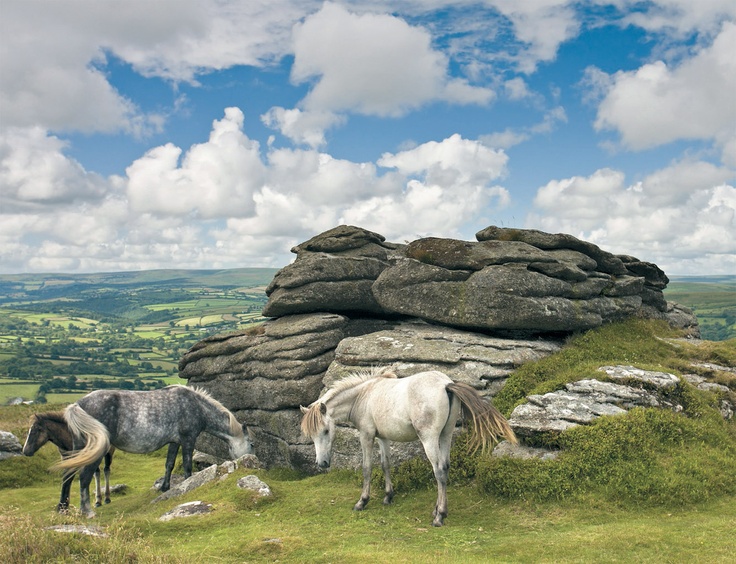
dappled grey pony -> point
(142, 422)
(425, 406)
(51, 426)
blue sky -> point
(212, 134)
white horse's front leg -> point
(383, 444)
(366, 443)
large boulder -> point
(509, 281)
(263, 376)
(474, 310)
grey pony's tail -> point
(488, 423)
(95, 434)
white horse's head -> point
(320, 427)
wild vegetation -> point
(651, 485)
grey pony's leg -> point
(108, 463)
(187, 452)
(170, 460)
(98, 489)
(366, 443)
(383, 445)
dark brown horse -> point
(51, 426)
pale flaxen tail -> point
(488, 423)
(96, 435)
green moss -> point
(649, 456)
(635, 341)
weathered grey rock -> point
(500, 298)
(191, 483)
(334, 272)
(523, 452)
(255, 484)
(263, 377)
(187, 510)
(510, 280)
(482, 361)
(725, 395)
(9, 446)
(660, 380)
(175, 480)
(606, 262)
(583, 401)
(89, 530)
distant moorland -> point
(712, 298)
(62, 335)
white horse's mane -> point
(355, 379)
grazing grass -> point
(649, 486)
(310, 520)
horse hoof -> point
(107, 501)
(388, 500)
(98, 504)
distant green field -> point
(712, 299)
(10, 389)
(128, 329)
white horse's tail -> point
(488, 422)
(95, 434)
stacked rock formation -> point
(475, 310)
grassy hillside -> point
(648, 486)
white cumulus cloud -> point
(677, 217)
(214, 179)
(660, 103)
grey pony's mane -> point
(312, 421)
(235, 427)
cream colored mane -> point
(312, 421)
(355, 379)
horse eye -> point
(325, 432)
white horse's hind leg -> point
(437, 449)
(366, 443)
(441, 467)
(383, 445)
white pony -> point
(425, 406)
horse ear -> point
(323, 409)
(304, 409)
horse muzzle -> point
(324, 464)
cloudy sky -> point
(218, 134)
